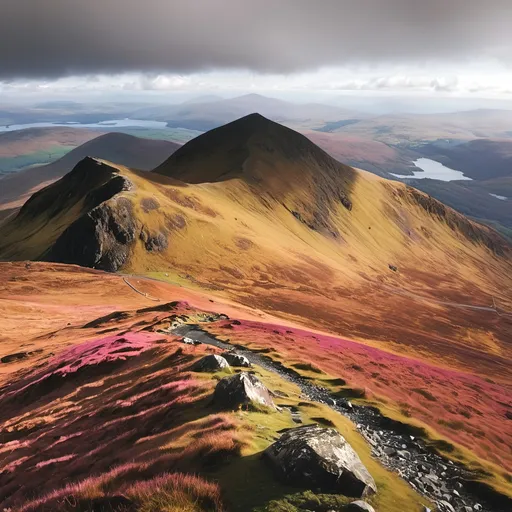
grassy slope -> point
(409, 390)
(15, 163)
(235, 239)
(117, 428)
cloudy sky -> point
(128, 48)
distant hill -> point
(32, 140)
(139, 153)
(212, 114)
(403, 129)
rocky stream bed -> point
(444, 482)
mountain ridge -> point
(278, 168)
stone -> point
(242, 390)
(360, 506)
(389, 450)
(444, 505)
(320, 458)
(477, 506)
(210, 363)
(235, 359)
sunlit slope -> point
(254, 205)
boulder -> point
(242, 389)
(235, 359)
(320, 458)
(359, 506)
(190, 341)
(210, 363)
(445, 506)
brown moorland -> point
(104, 410)
(256, 215)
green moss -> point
(306, 500)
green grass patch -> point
(15, 163)
(308, 367)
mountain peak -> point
(227, 152)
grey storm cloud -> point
(53, 38)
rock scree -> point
(242, 390)
(320, 458)
(379, 431)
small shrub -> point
(173, 492)
(423, 392)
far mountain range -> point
(477, 143)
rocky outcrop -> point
(154, 242)
(100, 239)
(235, 359)
(210, 363)
(320, 458)
(242, 390)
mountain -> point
(120, 148)
(205, 98)
(330, 276)
(211, 114)
(416, 129)
(251, 188)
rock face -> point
(210, 363)
(100, 239)
(242, 389)
(320, 458)
(235, 359)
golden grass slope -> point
(270, 220)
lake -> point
(114, 123)
(434, 170)
(501, 198)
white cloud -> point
(480, 79)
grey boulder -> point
(242, 390)
(359, 506)
(320, 458)
(235, 359)
(210, 363)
